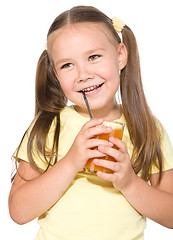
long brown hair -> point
(50, 99)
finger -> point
(112, 165)
(116, 154)
(96, 142)
(95, 154)
(92, 123)
(95, 131)
(119, 144)
(107, 176)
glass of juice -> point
(117, 131)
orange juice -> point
(117, 131)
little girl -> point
(85, 53)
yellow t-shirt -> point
(91, 208)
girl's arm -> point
(152, 201)
(30, 199)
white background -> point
(24, 26)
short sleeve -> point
(21, 151)
(167, 151)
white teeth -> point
(91, 88)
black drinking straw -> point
(87, 104)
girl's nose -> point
(84, 74)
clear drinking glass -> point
(117, 131)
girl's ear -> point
(122, 56)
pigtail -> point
(141, 123)
(49, 100)
(49, 96)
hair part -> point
(50, 99)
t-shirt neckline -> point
(85, 119)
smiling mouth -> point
(91, 89)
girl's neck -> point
(108, 113)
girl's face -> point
(86, 58)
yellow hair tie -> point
(118, 24)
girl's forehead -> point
(90, 32)
(76, 27)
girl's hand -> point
(85, 146)
(124, 174)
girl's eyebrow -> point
(94, 50)
(62, 60)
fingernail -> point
(109, 129)
(112, 138)
(110, 144)
(99, 173)
(102, 147)
(96, 160)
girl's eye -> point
(67, 65)
(94, 57)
